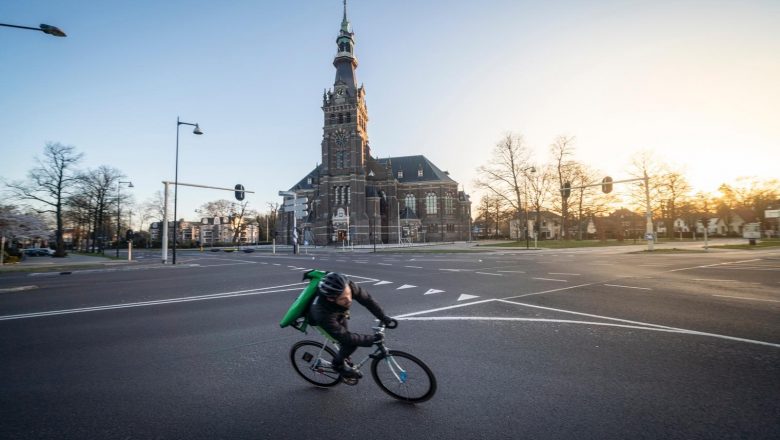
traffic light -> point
(606, 185)
(566, 190)
(129, 235)
(239, 192)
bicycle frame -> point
(380, 352)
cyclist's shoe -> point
(348, 372)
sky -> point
(695, 82)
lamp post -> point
(176, 181)
(398, 212)
(118, 211)
(45, 28)
(525, 192)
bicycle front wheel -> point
(404, 377)
(314, 362)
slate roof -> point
(409, 164)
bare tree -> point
(673, 191)
(539, 190)
(99, 185)
(565, 169)
(587, 201)
(50, 183)
(505, 174)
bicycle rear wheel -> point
(404, 377)
(314, 363)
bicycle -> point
(397, 373)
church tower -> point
(345, 149)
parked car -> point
(39, 252)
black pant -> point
(344, 352)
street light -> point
(45, 28)
(532, 170)
(118, 211)
(176, 180)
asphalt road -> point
(592, 343)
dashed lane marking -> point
(259, 291)
(405, 286)
(432, 291)
(628, 287)
(414, 267)
(563, 273)
(748, 299)
(510, 271)
(383, 282)
(549, 279)
(18, 289)
(493, 274)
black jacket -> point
(333, 317)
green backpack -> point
(296, 314)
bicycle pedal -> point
(350, 381)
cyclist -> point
(330, 311)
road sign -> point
(772, 213)
(298, 201)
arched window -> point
(341, 118)
(448, 210)
(430, 204)
(409, 202)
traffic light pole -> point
(649, 236)
(165, 211)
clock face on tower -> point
(341, 138)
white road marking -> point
(549, 279)
(719, 281)
(405, 286)
(414, 267)
(747, 299)
(628, 287)
(432, 291)
(563, 273)
(260, 291)
(18, 289)
(607, 324)
(464, 297)
(549, 291)
(494, 274)
(383, 282)
(384, 264)
(510, 271)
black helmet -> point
(333, 284)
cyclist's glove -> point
(389, 322)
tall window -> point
(448, 209)
(409, 202)
(430, 204)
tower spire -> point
(345, 61)
(344, 21)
